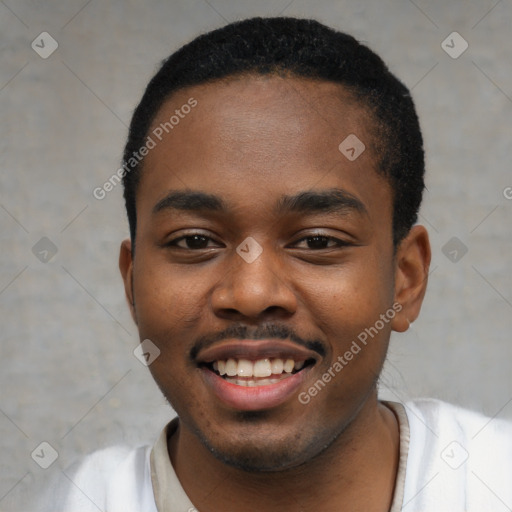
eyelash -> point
(339, 243)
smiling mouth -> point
(260, 372)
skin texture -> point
(250, 141)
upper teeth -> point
(259, 368)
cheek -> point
(347, 301)
(347, 307)
(169, 308)
(166, 300)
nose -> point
(254, 290)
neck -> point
(357, 470)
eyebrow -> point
(190, 201)
(332, 200)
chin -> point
(260, 453)
(258, 459)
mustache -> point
(261, 332)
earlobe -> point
(126, 268)
(411, 275)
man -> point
(273, 174)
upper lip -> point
(254, 350)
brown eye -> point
(190, 242)
(316, 242)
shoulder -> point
(117, 478)
(104, 462)
(442, 420)
(459, 458)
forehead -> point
(283, 112)
(261, 136)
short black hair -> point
(302, 48)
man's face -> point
(267, 149)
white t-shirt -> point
(451, 460)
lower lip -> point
(254, 398)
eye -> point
(192, 242)
(317, 242)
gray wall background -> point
(67, 372)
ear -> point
(126, 268)
(412, 262)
